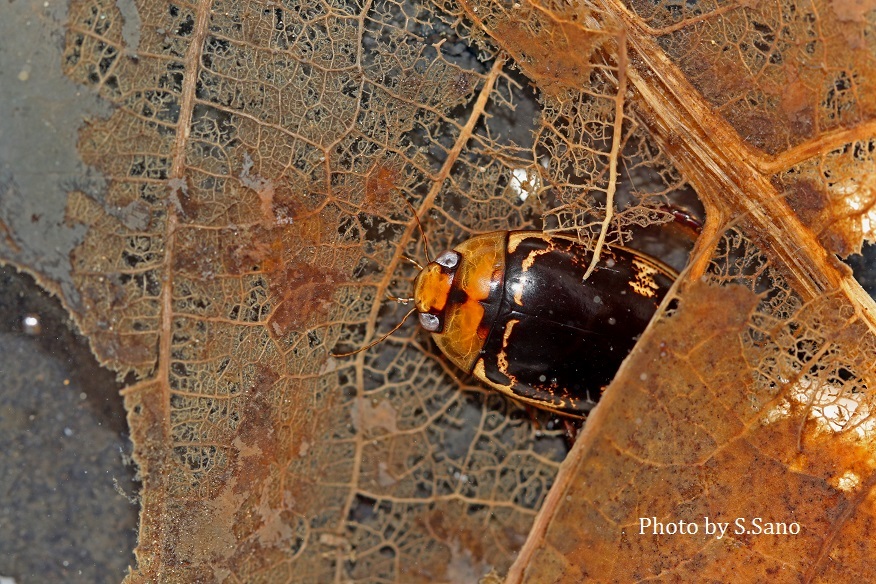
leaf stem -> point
(616, 142)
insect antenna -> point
(422, 233)
(372, 343)
(400, 300)
(396, 298)
(413, 261)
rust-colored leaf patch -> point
(304, 292)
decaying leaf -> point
(257, 162)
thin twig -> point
(615, 153)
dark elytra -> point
(559, 339)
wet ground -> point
(65, 480)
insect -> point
(513, 309)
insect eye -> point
(448, 259)
(430, 322)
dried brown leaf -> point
(257, 159)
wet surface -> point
(864, 267)
(64, 475)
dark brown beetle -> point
(513, 309)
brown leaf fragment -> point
(552, 42)
(687, 433)
(304, 295)
(852, 10)
(369, 417)
(778, 76)
(108, 283)
(813, 206)
(382, 185)
(838, 206)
